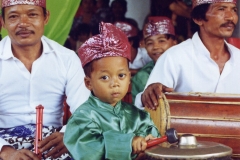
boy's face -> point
(156, 45)
(110, 79)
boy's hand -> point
(139, 144)
(149, 137)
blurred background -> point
(67, 16)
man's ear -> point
(198, 21)
(2, 24)
(47, 17)
(87, 81)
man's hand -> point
(54, 141)
(139, 145)
(152, 94)
(9, 153)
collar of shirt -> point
(202, 50)
(6, 51)
(96, 102)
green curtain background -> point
(61, 17)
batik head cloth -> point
(111, 42)
(7, 3)
(128, 29)
(199, 2)
(158, 25)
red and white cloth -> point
(109, 43)
(199, 2)
(158, 25)
(7, 3)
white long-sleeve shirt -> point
(140, 60)
(188, 67)
(56, 73)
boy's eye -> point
(162, 40)
(149, 43)
(122, 75)
(104, 77)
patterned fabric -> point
(22, 137)
(20, 131)
(110, 42)
(128, 29)
(158, 25)
(41, 3)
(199, 2)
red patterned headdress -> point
(158, 25)
(109, 43)
(128, 29)
(199, 2)
(7, 3)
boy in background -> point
(104, 127)
(159, 35)
(139, 56)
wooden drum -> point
(208, 116)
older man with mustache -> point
(34, 70)
(205, 63)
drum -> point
(189, 148)
(208, 116)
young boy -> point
(104, 127)
(159, 35)
(139, 57)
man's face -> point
(110, 79)
(156, 45)
(25, 24)
(221, 20)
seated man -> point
(104, 127)
(159, 35)
(0, 31)
(205, 63)
(34, 70)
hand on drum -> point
(152, 94)
(139, 144)
(55, 140)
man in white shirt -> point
(34, 70)
(205, 63)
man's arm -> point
(76, 91)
